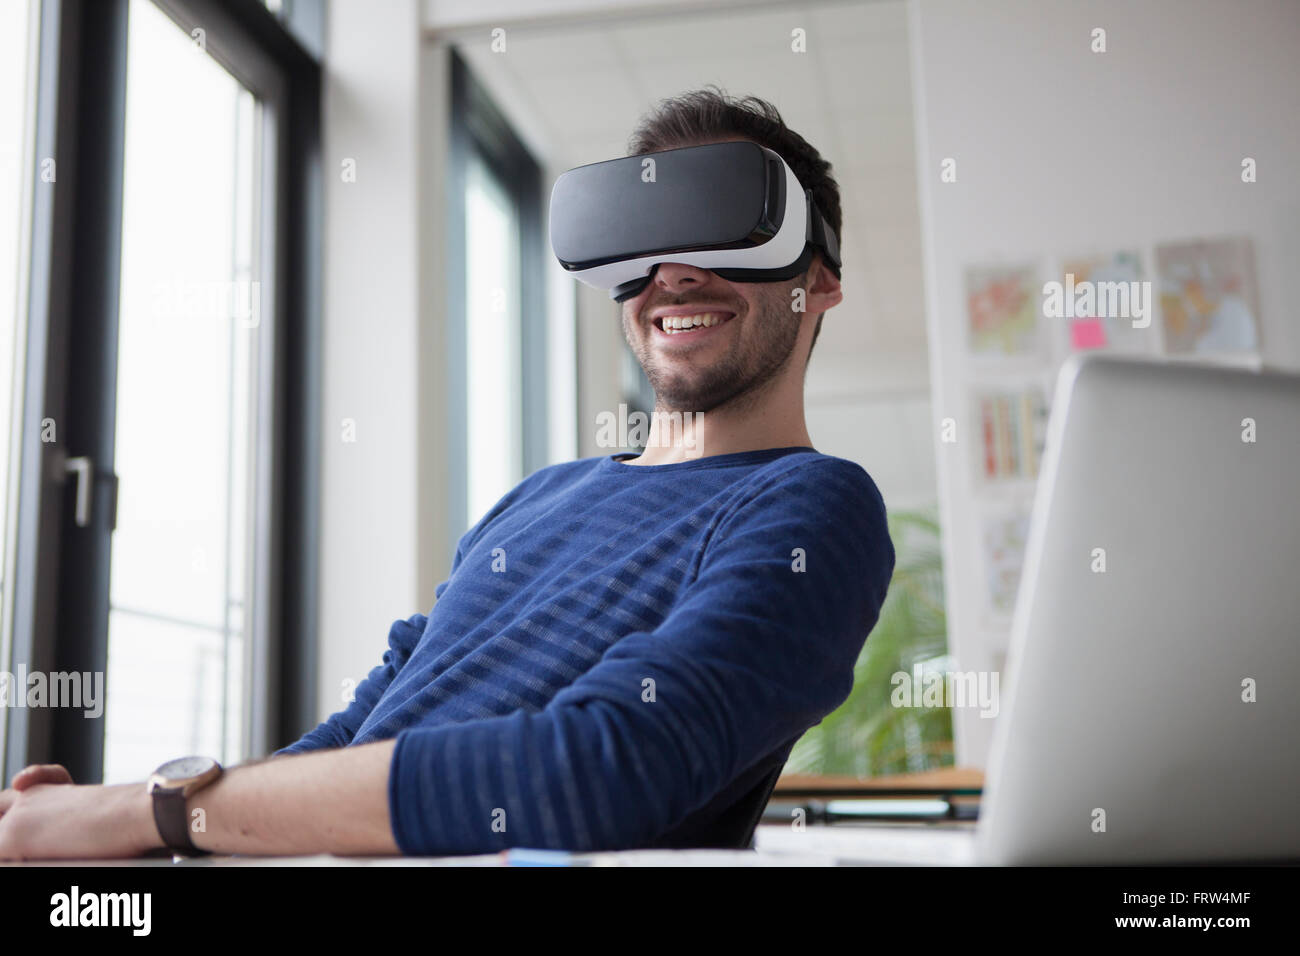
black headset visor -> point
(735, 208)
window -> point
(492, 338)
(497, 352)
(187, 405)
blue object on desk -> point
(524, 857)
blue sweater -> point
(621, 651)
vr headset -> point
(734, 208)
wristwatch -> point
(169, 786)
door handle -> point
(83, 468)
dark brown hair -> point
(709, 114)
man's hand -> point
(45, 816)
(30, 777)
(40, 773)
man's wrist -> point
(141, 814)
(195, 801)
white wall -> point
(600, 348)
(887, 435)
(1061, 150)
(562, 363)
(371, 489)
(872, 404)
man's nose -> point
(678, 276)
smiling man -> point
(627, 647)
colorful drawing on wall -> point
(1096, 322)
(1005, 535)
(1002, 309)
(1208, 297)
(1012, 427)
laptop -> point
(1151, 701)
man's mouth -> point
(691, 325)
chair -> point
(729, 820)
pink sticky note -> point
(1088, 334)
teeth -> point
(682, 323)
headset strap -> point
(821, 235)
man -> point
(625, 649)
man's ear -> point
(821, 287)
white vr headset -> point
(735, 208)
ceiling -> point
(574, 91)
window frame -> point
(9, 454)
(60, 595)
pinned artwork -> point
(1110, 307)
(1002, 311)
(1209, 301)
(1005, 536)
(1012, 427)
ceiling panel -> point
(537, 52)
(578, 102)
(761, 34)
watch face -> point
(183, 768)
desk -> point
(951, 794)
(943, 781)
(654, 858)
(826, 847)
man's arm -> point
(330, 802)
(339, 729)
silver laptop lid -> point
(1152, 707)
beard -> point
(762, 348)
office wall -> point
(372, 486)
(1060, 150)
(600, 347)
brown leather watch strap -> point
(173, 821)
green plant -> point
(867, 736)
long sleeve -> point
(339, 729)
(760, 646)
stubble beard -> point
(736, 379)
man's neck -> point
(774, 419)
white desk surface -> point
(776, 845)
(628, 858)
